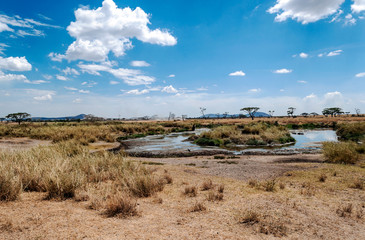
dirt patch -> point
(104, 146)
(244, 167)
(12, 144)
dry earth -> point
(300, 207)
(20, 143)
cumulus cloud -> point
(350, 20)
(334, 53)
(303, 55)
(362, 74)
(169, 89)
(310, 97)
(304, 11)
(171, 76)
(110, 29)
(139, 64)
(11, 77)
(237, 74)
(358, 6)
(62, 78)
(137, 92)
(15, 64)
(283, 71)
(41, 95)
(131, 77)
(70, 71)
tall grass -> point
(250, 134)
(351, 131)
(340, 152)
(88, 132)
(65, 167)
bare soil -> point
(11, 144)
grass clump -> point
(10, 186)
(190, 191)
(351, 131)
(249, 217)
(121, 205)
(212, 196)
(254, 134)
(207, 185)
(198, 207)
(340, 152)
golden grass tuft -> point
(121, 205)
(207, 185)
(198, 207)
(340, 152)
(190, 191)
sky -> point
(130, 58)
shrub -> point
(221, 188)
(214, 196)
(357, 184)
(269, 185)
(198, 207)
(340, 152)
(121, 205)
(190, 191)
(249, 217)
(322, 177)
(207, 185)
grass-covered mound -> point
(351, 131)
(254, 134)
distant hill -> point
(78, 117)
(212, 115)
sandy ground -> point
(304, 209)
(12, 144)
(241, 167)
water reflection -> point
(312, 138)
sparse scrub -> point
(198, 207)
(212, 196)
(351, 131)
(274, 227)
(168, 179)
(121, 205)
(207, 185)
(269, 185)
(249, 217)
(344, 210)
(190, 191)
(322, 177)
(221, 188)
(358, 184)
(340, 152)
(253, 183)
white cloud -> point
(283, 71)
(89, 84)
(15, 64)
(237, 73)
(304, 11)
(321, 55)
(41, 95)
(22, 26)
(84, 91)
(331, 95)
(35, 81)
(55, 57)
(70, 71)
(137, 92)
(62, 78)
(48, 77)
(255, 90)
(202, 89)
(171, 76)
(71, 88)
(77, 100)
(358, 6)
(139, 64)
(169, 89)
(131, 77)
(282, 90)
(110, 29)
(3, 46)
(362, 74)
(310, 97)
(350, 20)
(334, 53)
(11, 77)
(303, 82)
(114, 82)
(303, 55)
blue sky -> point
(136, 57)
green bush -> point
(209, 142)
(340, 152)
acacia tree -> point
(290, 111)
(332, 111)
(202, 110)
(357, 110)
(18, 117)
(250, 111)
(271, 113)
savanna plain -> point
(75, 180)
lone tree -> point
(357, 110)
(202, 110)
(290, 111)
(332, 111)
(18, 117)
(271, 113)
(250, 111)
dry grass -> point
(212, 196)
(358, 184)
(198, 207)
(121, 205)
(207, 185)
(340, 152)
(190, 191)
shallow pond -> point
(305, 140)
